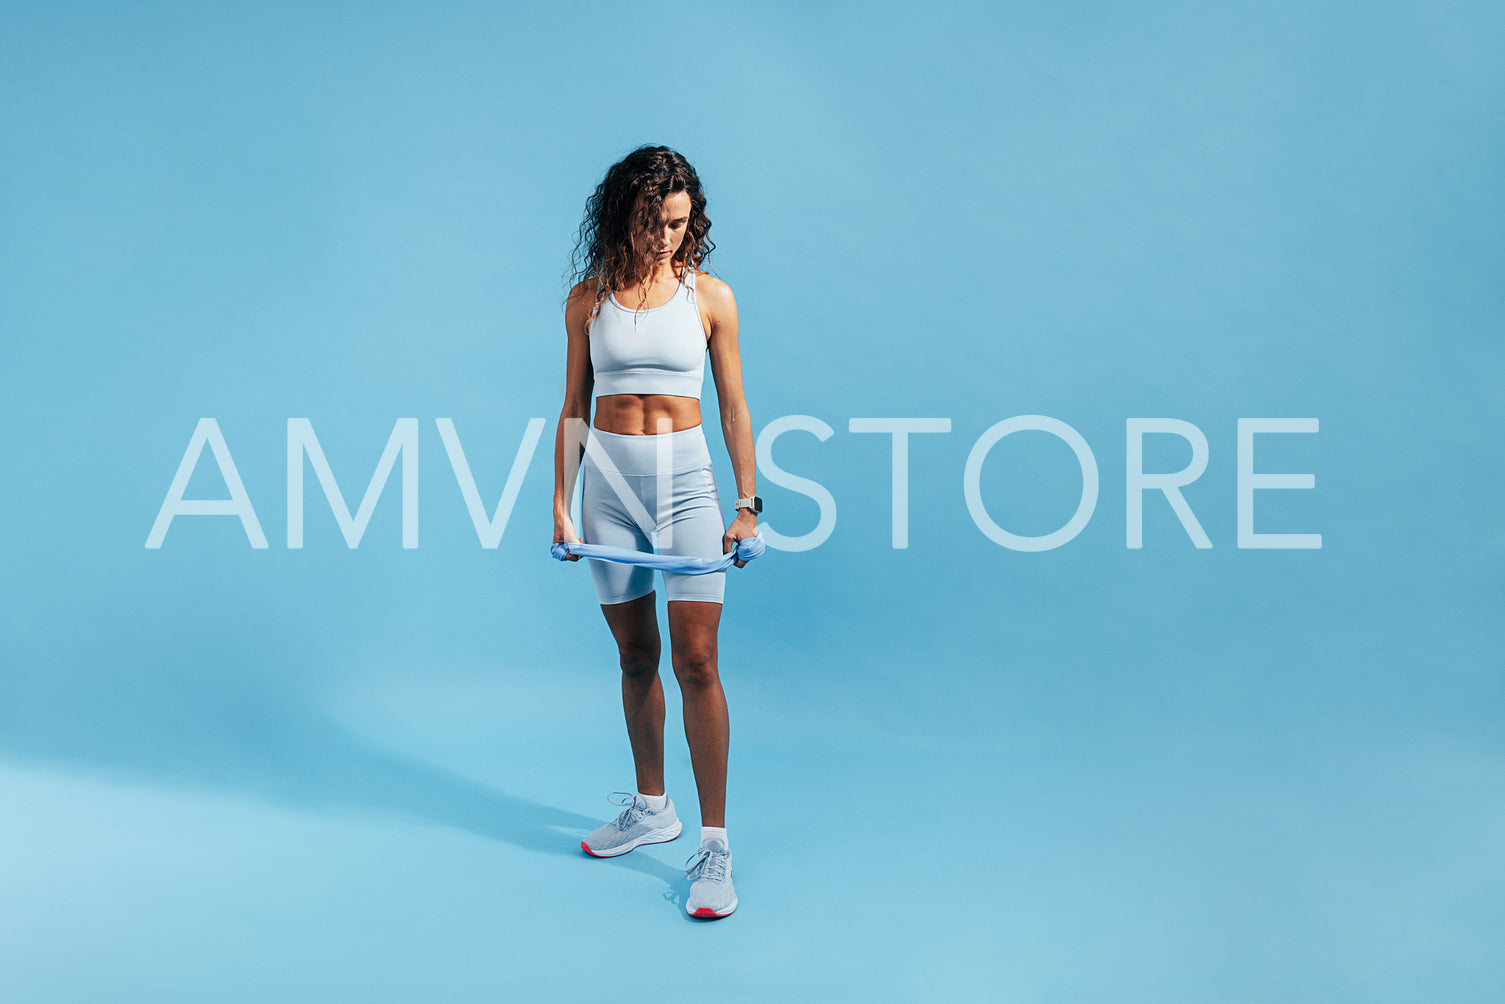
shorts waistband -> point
(684, 450)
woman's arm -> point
(736, 423)
(574, 416)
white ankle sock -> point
(717, 832)
(656, 802)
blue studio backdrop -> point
(1184, 685)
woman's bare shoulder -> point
(579, 304)
(715, 289)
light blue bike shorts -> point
(631, 500)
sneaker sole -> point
(661, 836)
(708, 913)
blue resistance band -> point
(748, 548)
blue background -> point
(958, 771)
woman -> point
(640, 323)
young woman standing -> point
(640, 323)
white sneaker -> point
(711, 894)
(634, 826)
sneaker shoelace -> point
(707, 864)
(636, 807)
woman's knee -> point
(695, 665)
(638, 659)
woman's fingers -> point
(569, 538)
(728, 545)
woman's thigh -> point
(604, 520)
(634, 626)
(694, 529)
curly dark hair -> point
(629, 199)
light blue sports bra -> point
(660, 350)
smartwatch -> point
(752, 502)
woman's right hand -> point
(564, 532)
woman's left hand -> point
(744, 526)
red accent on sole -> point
(589, 851)
(706, 911)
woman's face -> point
(661, 244)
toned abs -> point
(638, 414)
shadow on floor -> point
(221, 722)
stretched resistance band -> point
(748, 548)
